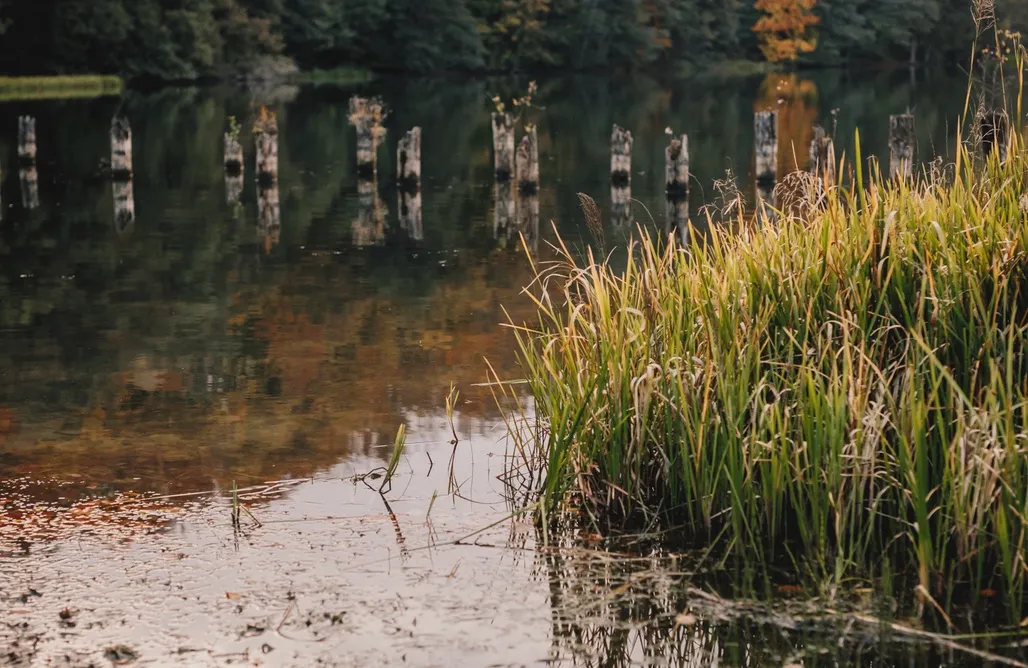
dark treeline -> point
(189, 39)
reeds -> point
(844, 392)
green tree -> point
(428, 36)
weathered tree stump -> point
(503, 146)
(527, 162)
(269, 222)
(994, 130)
(528, 218)
(505, 211)
(28, 178)
(901, 146)
(765, 147)
(366, 116)
(408, 161)
(369, 227)
(121, 149)
(620, 205)
(124, 206)
(822, 157)
(234, 168)
(265, 139)
(409, 203)
(676, 168)
(620, 156)
(233, 155)
(27, 140)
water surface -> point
(151, 363)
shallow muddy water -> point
(150, 363)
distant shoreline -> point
(59, 87)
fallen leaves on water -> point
(120, 655)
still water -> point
(150, 364)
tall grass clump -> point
(844, 391)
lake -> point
(160, 361)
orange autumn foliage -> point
(784, 30)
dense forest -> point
(190, 39)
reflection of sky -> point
(327, 547)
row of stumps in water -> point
(119, 170)
(516, 189)
(366, 115)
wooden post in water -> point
(676, 211)
(265, 139)
(121, 149)
(121, 176)
(408, 160)
(901, 146)
(369, 227)
(26, 140)
(504, 211)
(621, 156)
(269, 222)
(621, 176)
(408, 178)
(124, 206)
(28, 177)
(676, 168)
(233, 168)
(366, 116)
(676, 186)
(994, 130)
(528, 217)
(503, 146)
(527, 162)
(822, 157)
(765, 148)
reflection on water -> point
(184, 326)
